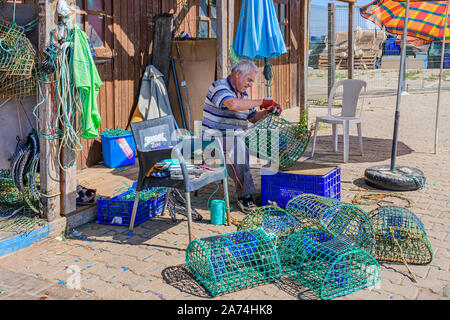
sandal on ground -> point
(85, 196)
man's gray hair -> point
(245, 66)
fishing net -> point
(21, 220)
(229, 262)
(17, 61)
(278, 140)
(277, 222)
(334, 217)
(400, 236)
(9, 194)
(329, 266)
(16, 215)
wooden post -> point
(49, 167)
(231, 19)
(350, 55)
(331, 49)
(303, 54)
(222, 39)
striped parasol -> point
(426, 18)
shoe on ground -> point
(246, 204)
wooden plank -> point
(117, 58)
(303, 54)
(294, 28)
(123, 75)
(222, 39)
(49, 167)
(131, 66)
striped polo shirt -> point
(219, 117)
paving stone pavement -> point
(150, 264)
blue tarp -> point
(258, 34)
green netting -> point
(17, 61)
(278, 140)
(400, 236)
(329, 266)
(337, 218)
(9, 194)
(22, 223)
(277, 222)
(229, 262)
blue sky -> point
(319, 17)
(359, 3)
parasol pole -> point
(436, 127)
(401, 76)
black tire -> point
(404, 178)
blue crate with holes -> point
(115, 211)
(281, 187)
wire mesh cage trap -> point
(229, 262)
(277, 222)
(278, 140)
(330, 266)
(336, 218)
(17, 61)
(400, 236)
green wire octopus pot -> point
(277, 222)
(400, 236)
(229, 262)
(334, 217)
(278, 140)
(328, 265)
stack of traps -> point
(329, 246)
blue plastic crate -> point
(282, 186)
(118, 212)
(391, 48)
(116, 156)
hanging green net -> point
(334, 217)
(278, 140)
(329, 266)
(229, 262)
(400, 236)
(277, 222)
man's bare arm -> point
(235, 104)
(258, 116)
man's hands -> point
(271, 106)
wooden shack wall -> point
(129, 35)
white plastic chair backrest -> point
(350, 96)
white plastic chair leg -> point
(346, 140)
(360, 138)
(335, 137)
(316, 127)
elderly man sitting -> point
(227, 111)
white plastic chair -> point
(350, 96)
